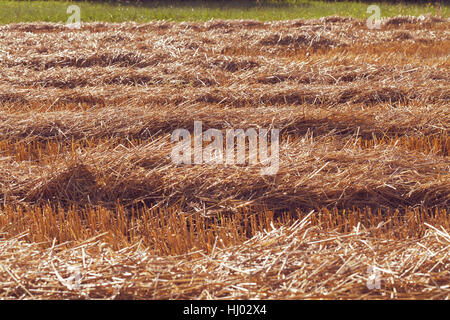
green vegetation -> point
(55, 11)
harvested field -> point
(87, 180)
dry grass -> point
(86, 178)
(289, 262)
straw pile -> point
(85, 123)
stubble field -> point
(92, 206)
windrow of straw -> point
(287, 262)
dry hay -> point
(85, 123)
(295, 262)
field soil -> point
(92, 205)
